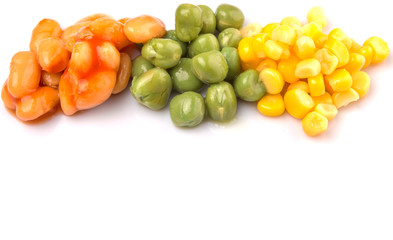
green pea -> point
(233, 61)
(208, 19)
(187, 109)
(203, 43)
(221, 103)
(152, 88)
(188, 22)
(163, 53)
(249, 87)
(210, 67)
(229, 16)
(183, 77)
(230, 37)
(171, 35)
(140, 66)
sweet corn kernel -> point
(246, 52)
(251, 65)
(380, 47)
(328, 110)
(356, 62)
(317, 14)
(355, 46)
(324, 98)
(316, 85)
(368, 54)
(340, 80)
(302, 85)
(268, 29)
(293, 22)
(287, 68)
(285, 50)
(327, 59)
(314, 124)
(340, 35)
(272, 80)
(339, 49)
(251, 30)
(258, 44)
(298, 103)
(328, 88)
(320, 40)
(342, 99)
(360, 83)
(304, 47)
(284, 34)
(312, 29)
(271, 105)
(267, 63)
(308, 68)
(273, 49)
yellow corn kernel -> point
(271, 105)
(273, 49)
(312, 30)
(285, 50)
(251, 30)
(320, 40)
(268, 29)
(356, 62)
(340, 35)
(342, 99)
(355, 46)
(368, 54)
(380, 47)
(328, 88)
(251, 65)
(339, 49)
(299, 85)
(324, 98)
(287, 68)
(314, 124)
(316, 85)
(360, 83)
(284, 34)
(298, 103)
(291, 21)
(304, 47)
(317, 14)
(272, 80)
(308, 68)
(328, 110)
(327, 59)
(340, 80)
(267, 63)
(246, 52)
(258, 44)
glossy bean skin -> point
(183, 77)
(50, 79)
(153, 88)
(70, 34)
(123, 74)
(231, 55)
(172, 35)
(53, 55)
(230, 37)
(44, 29)
(229, 16)
(8, 100)
(208, 19)
(210, 67)
(163, 53)
(203, 43)
(25, 74)
(36, 104)
(249, 87)
(187, 109)
(221, 103)
(110, 30)
(144, 28)
(188, 22)
(140, 66)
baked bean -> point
(8, 100)
(52, 55)
(82, 58)
(143, 28)
(50, 79)
(44, 29)
(124, 20)
(110, 30)
(108, 55)
(70, 34)
(123, 74)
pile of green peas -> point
(202, 50)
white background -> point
(121, 171)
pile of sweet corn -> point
(308, 73)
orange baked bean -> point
(52, 55)
(8, 100)
(70, 34)
(110, 30)
(25, 74)
(123, 74)
(50, 79)
(124, 20)
(44, 29)
(36, 104)
(143, 28)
